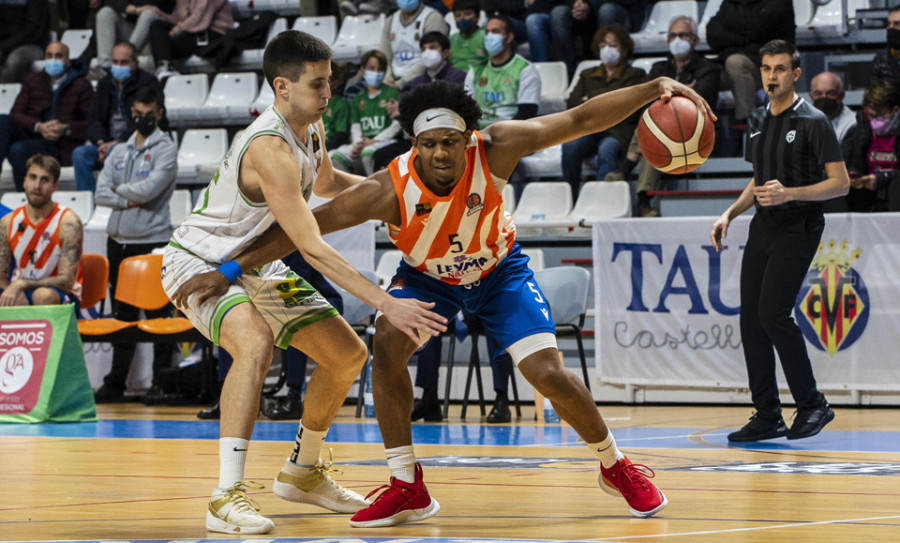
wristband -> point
(231, 270)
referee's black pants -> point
(779, 250)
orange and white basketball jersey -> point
(458, 238)
(36, 247)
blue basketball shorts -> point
(508, 300)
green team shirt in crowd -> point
(337, 117)
(500, 89)
(370, 113)
(468, 52)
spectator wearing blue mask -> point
(400, 39)
(110, 119)
(50, 115)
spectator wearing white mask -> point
(400, 39)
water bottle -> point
(549, 413)
(368, 399)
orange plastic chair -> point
(94, 279)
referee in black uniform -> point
(797, 164)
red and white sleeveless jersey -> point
(36, 247)
(458, 238)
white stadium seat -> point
(358, 34)
(201, 148)
(598, 200)
(252, 59)
(8, 94)
(230, 94)
(79, 201)
(541, 201)
(554, 79)
(324, 27)
(184, 96)
(77, 41)
(179, 206)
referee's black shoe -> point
(810, 421)
(759, 429)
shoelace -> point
(397, 492)
(330, 472)
(636, 476)
(237, 495)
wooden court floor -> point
(145, 474)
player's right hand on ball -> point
(669, 87)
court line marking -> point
(749, 529)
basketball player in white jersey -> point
(267, 176)
(443, 202)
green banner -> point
(43, 377)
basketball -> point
(675, 136)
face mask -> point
(120, 73)
(466, 26)
(145, 125)
(893, 38)
(493, 43)
(679, 47)
(54, 67)
(609, 55)
(431, 58)
(885, 126)
(408, 5)
(373, 79)
(829, 106)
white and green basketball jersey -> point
(405, 41)
(500, 89)
(224, 220)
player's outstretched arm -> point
(511, 140)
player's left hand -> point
(212, 284)
(772, 193)
(669, 87)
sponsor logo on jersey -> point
(473, 202)
(790, 136)
(423, 209)
(833, 304)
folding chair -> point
(94, 281)
(566, 290)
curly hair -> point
(438, 94)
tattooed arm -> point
(71, 236)
(5, 252)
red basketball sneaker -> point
(401, 502)
(630, 481)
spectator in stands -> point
(137, 181)
(467, 45)
(24, 28)
(400, 39)
(736, 32)
(50, 114)
(872, 161)
(516, 10)
(684, 65)
(47, 272)
(537, 27)
(337, 117)
(125, 20)
(886, 64)
(615, 48)
(826, 91)
(436, 57)
(191, 26)
(370, 126)
(110, 117)
(508, 86)
(363, 7)
(575, 24)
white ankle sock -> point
(606, 451)
(307, 450)
(402, 462)
(232, 457)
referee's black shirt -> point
(792, 147)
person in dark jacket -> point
(50, 114)
(615, 47)
(110, 121)
(872, 161)
(23, 34)
(737, 32)
(685, 65)
(886, 64)
(577, 20)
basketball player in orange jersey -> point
(443, 202)
(44, 240)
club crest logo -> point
(833, 304)
(473, 202)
